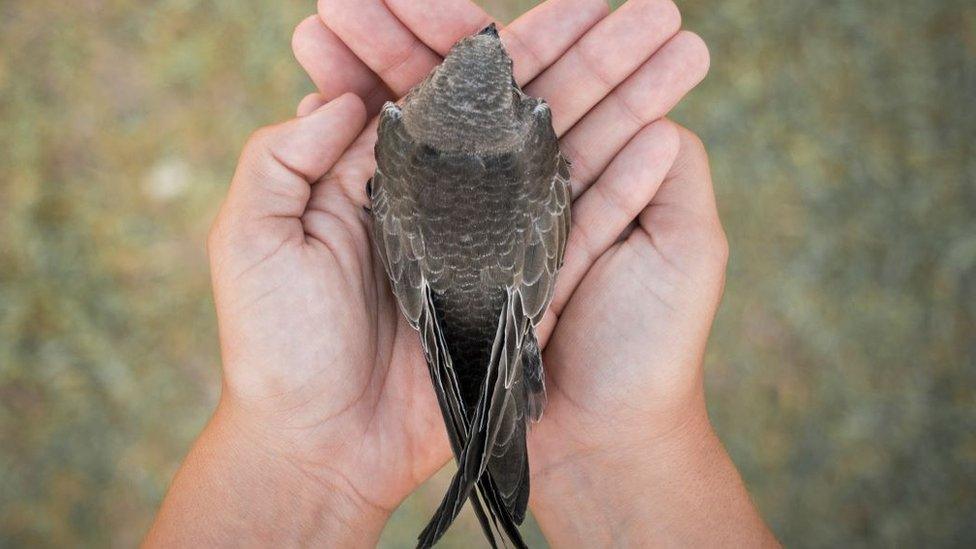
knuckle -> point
(591, 62)
(692, 144)
(707, 240)
(258, 140)
(259, 136)
(664, 132)
(349, 175)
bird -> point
(470, 204)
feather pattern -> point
(472, 240)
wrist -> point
(608, 481)
(236, 486)
(327, 506)
(652, 490)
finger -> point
(534, 41)
(351, 172)
(688, 185)
(280, 162)
(603, 58)
(645, 96)
(309, 104)
(614, 201)
(333, 67)
(380, 40)
(341, 194)
(682, 220)
(440, 23)
(538, 38)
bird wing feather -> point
(496, 437)
(398, 241)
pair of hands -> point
(325, 389)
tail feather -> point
(489, 495)
(485, 422)
(508, 464)
(490, 432)
(486, 526)
(437, 357)
(486, 486)
(468, 474)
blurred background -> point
(842, 369)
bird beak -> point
(490, 30)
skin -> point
(327, 419)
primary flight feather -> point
(470, 204)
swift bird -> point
(470, 204)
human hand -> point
(320, 370)
(645, 263)
(327, 420)
(607, 90)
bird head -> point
(468, 102)
(477, 69)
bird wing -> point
(513, 387)
(496, 407)
(547, 231)
(545, 225)
(492, 434)
(398, 240)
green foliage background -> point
(842, 369)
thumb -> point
(279, 163)
(683, 217)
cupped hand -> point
(319, 367)
(645, 262)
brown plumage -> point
(471, 206)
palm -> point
(311, 315)
(392, 429)
(633, 331)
